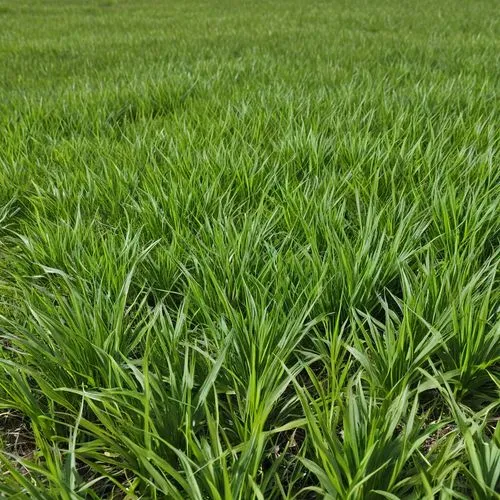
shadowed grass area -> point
(249, 249)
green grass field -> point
(249, 249)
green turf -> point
(249, 249)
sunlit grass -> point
(249, 250)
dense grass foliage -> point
(249, 249)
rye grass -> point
(249, 249)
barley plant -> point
(249, 249)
